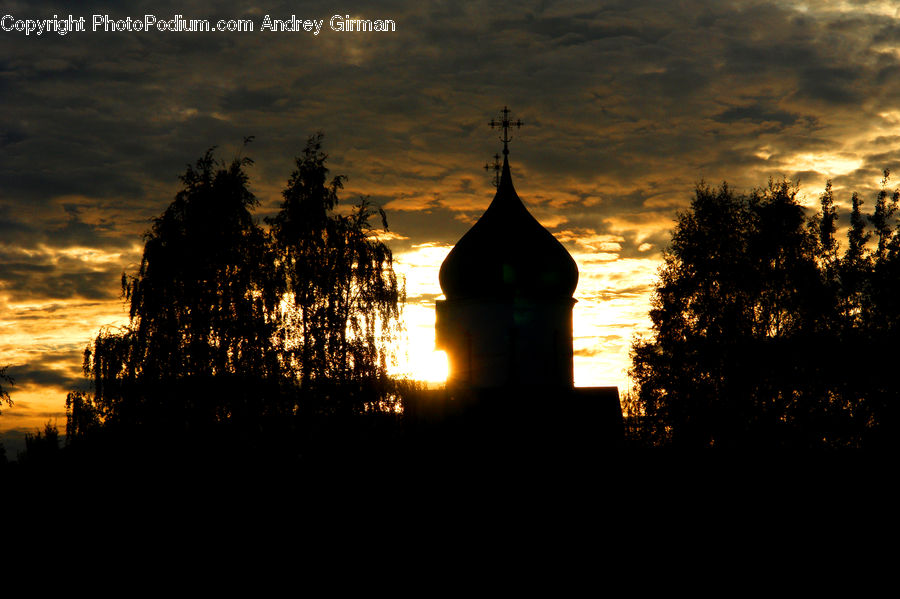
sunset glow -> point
(625, 112)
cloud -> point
(47, 273)
(43, 376)
(627, 106)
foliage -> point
(763, 334)
(4, 391)
(202, 315)
(230, 324)
(343, 301)
(41, 447)
(203, 299)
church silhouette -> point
(506, 327)
(507, 319)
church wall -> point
(502, 343)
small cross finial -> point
(504, 124)
(494, 166)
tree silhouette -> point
(759, 328)
(199, 348)
(41, 447)
(4, 391)
(237, 331)
(342, 305)
(4, 398)
(203, 299)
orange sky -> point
(627, 105)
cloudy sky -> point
(627, 106)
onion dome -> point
(508, 254)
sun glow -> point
(430, 367)
(613, 303)
(418, 360)
(831, 164)
(419, 267)
(613, 306)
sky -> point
(627, 106)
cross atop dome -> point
(504, 123)
(494, 166)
